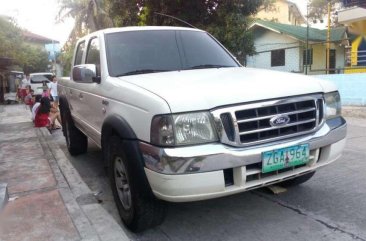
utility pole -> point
(328, 38)
(307, 38)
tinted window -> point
(130, 51)
(158, 50)
(200, 49)
(79, 53)
(93, 55)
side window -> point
(93, 54)
(79, 53)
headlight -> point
(183, 129)
(332, 105)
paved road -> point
(331, 206)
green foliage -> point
(34, 59)
(29, 58)
(227, 20)
(89, 16)
(318, 10)
(66, 57)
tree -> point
(227, 20)
(29, 58)
(89, 16)
(318, 10)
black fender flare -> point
(120, 125)
(117, 125)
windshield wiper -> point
(209, 66)
(141, 71)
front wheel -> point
(297, 180)
(139, 210)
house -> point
(283, 47)
(281, 11)
(51, 46)
(353, 15)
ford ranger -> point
(178, 119)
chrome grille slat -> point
(279, 127)
(270, 116)
(251, 122)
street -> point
(331, 206)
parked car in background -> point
(10, 86)
(38, 80)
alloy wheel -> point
(121, 182)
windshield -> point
(139, 52)
(39, 78)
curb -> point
(4, 196)
(91, 220)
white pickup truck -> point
(179, 119)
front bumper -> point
(197, 172)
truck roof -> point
(144, 28)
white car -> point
(38, 80)
(179, 119)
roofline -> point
(263, 26)
(274, 30)
(255, 23)
(298, 9)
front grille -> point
(256, 123)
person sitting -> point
(46, 116)
(28, 99)
(35, 106)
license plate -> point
(285, 157)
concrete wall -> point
(352, 87)
(265, 41)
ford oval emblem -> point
(279, 120)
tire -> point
(138, 207)
(76, 141)
(297, 180)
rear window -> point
(37, 79)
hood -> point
(205, 89)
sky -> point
(39, 16)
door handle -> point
(81, 95)
(105, 102)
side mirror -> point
(86, 73)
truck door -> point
(73, 93)
(91, 100)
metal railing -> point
(360, 57)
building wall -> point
(352, 87)
(279, 13)
(319, 58)
(265, 41)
